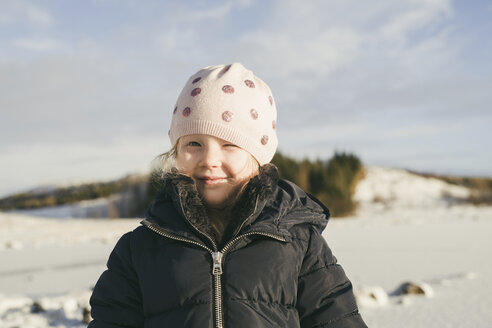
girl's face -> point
(218, 168)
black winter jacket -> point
(273, 270)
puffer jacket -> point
(274, 269)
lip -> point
(209, 180)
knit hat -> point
(230, 103)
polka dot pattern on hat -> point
(227, 116)
(230, 103)
(249, 83)
(195, 91)
(228, 89)
(254, 114)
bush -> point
(332, 182)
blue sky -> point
(87, 87)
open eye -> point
(194, 144)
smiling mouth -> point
(210, 181)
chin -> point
(214, 199)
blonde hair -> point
(166, 162)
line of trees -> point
(73, 194)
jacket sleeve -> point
(116, 300)
(325, 297)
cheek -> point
(242, 166)
(183, 163)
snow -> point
(395, 188)
(410, 234)
(49, 267)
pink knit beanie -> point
(230, 103)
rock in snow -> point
(414, 288)
(371, 296)
(59, 311)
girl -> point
(226, 243)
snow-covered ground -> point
(408, 229)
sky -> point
(87, 88)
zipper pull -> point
(217, 258)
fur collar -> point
(258, 192)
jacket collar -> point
(267, 204)
(181, 190)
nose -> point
(211, 156)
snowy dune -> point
(407, 229)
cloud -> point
(187, 27)
(41, 45)
(39, 16)
(196, 12)
(20, 12)
(427, 13)
(207, 14)
(312, 56)
(5, 19)
(328, 44)
(77, 98)
(416, 130)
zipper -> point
(217, 273)
(234, 240)
(217, 261)
(166, 234)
